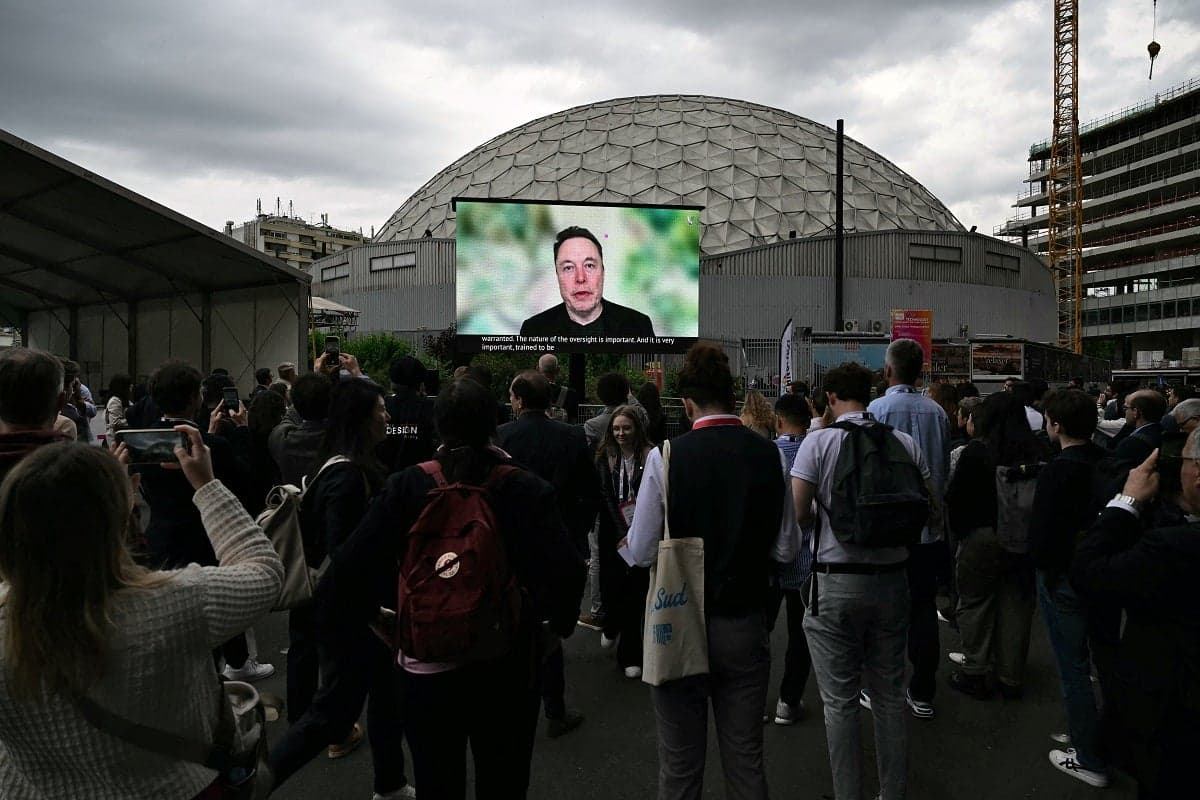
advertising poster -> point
(915, 324)
(996, 360)
(952, 361)
(827, 355)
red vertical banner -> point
(915, 324)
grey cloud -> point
(290, 92)
(190, 90)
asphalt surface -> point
(994, 750)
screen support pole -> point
(577, 373)
(839, 278)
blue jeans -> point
(858, 640)
(1067, 623)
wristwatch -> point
(1128, 500)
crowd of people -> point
(455, 543)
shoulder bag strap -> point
(153, 740)
(666, 473)
(305, 483)
(815, 605)
(434, 470)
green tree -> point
(376, 352)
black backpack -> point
(878, 498)
(1015, 488)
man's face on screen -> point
(580, 273)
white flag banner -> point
(785, 358)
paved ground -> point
(983, 751)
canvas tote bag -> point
(675, 641)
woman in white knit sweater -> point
(79, 617)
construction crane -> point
(1065, 182)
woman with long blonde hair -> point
(79, 619)
(757, 414)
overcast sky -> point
(349, 107)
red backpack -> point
(458, 598)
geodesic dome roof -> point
(759, 172)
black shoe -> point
(560, 726)
(971, 685)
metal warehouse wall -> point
(403, 299)
(752, 293)
(247, 329)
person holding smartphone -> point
(86, 621)
(175, 536)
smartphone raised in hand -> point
(230, 399)
(151, 445)
(333, 353)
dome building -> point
(766, 181)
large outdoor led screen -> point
(576, 277)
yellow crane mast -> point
(1065, 185)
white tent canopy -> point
(92, 271)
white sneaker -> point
(1064, 760)
(786, 714)
(1061, 738)
(921, 709)
(405, 792)
(606, 642)
(957, 658)
(249, 672)
(864, 699)
(633, 673)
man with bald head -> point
(1152, 712)
(562, 396)
(1144, 410)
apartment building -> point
(293, 239)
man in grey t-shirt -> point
(861, 628)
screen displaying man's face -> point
(580, 273)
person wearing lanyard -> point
(620, 460)
(727, 488)
(862, 599)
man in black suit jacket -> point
(579, 266)
(1152, 710)
(1144, 411)
(558, 453)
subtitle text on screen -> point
(549, 344)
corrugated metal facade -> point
(249, 328)
(414, 298)
(752, 293)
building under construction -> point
(1141, 227)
